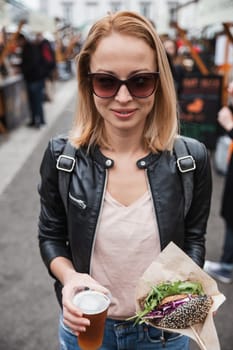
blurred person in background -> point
(49, 62)
(34, 72)
(177, 67)
(223, 270)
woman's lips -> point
(124, 113)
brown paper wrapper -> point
(173, 264)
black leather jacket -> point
(73, 235)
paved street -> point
(29, 312)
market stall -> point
(203, 93)
(13, 95)
(13, 103)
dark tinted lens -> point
(142, 85)
(104, 85)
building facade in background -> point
(82, 13)
(194, 16)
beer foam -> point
(91, 302)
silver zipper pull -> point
(81, 203)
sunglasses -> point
(139, 85)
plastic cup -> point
(94, 306)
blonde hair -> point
(161, 126)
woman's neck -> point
(125, 144)
(125, 148)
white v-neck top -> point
(127, 241)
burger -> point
(178, 304)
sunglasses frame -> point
(124, 82)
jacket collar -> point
(106, 162)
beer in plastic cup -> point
(94, 306)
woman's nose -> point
(123, 94)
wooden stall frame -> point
(225, 68)
(14, 37)
(199, 62)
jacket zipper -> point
(99, 215)
(80, 202)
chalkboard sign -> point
(200, 101)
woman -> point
(177, 67)
(126, 199)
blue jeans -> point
(122, 335)
(35, 96)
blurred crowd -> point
(65, 44)
(44, 57)
(41, 59)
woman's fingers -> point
(75, 320)
(76, 328)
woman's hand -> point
(72, 315)
(225, 118)
(230, 88)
